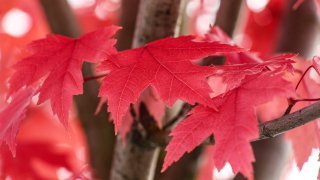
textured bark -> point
(269, 129)
(296, 119)
(137, 159)
(98, 131)
(156, 19)
(134, 161)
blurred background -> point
(45, 150)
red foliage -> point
(233, 126)
(12, 115)
(166, 65)
(159, 73)
(59, 59)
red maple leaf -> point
(217, 35)
(233, 126)
(11, 116)
(233, 75)
(306, 137)
(59, 60)
(125, 127)
(164, 64)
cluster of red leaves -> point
(43, 148)
(307, 137)
(261, 30)
(235, 124)
(166, 65)
(156, 74)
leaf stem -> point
(290, 106)
(305, 72)
(307, 99)
(292, 102)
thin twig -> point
(293, 102)
(289, 108)
(268, 129)
(307, 99)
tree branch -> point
(128, 18)
(267, 130)
(60, 18)
(285, 123)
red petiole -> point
(304, 74)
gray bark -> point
(296, 119)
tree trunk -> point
(129, 11)
(97, 128)
(299, 29)
(227, 15)
(136, 159)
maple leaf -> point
(215, 34)
(11, 116)
(233, 75)
(125, 127)
(306, 137)
(59, 60)
(164, 64)
(233, 126)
